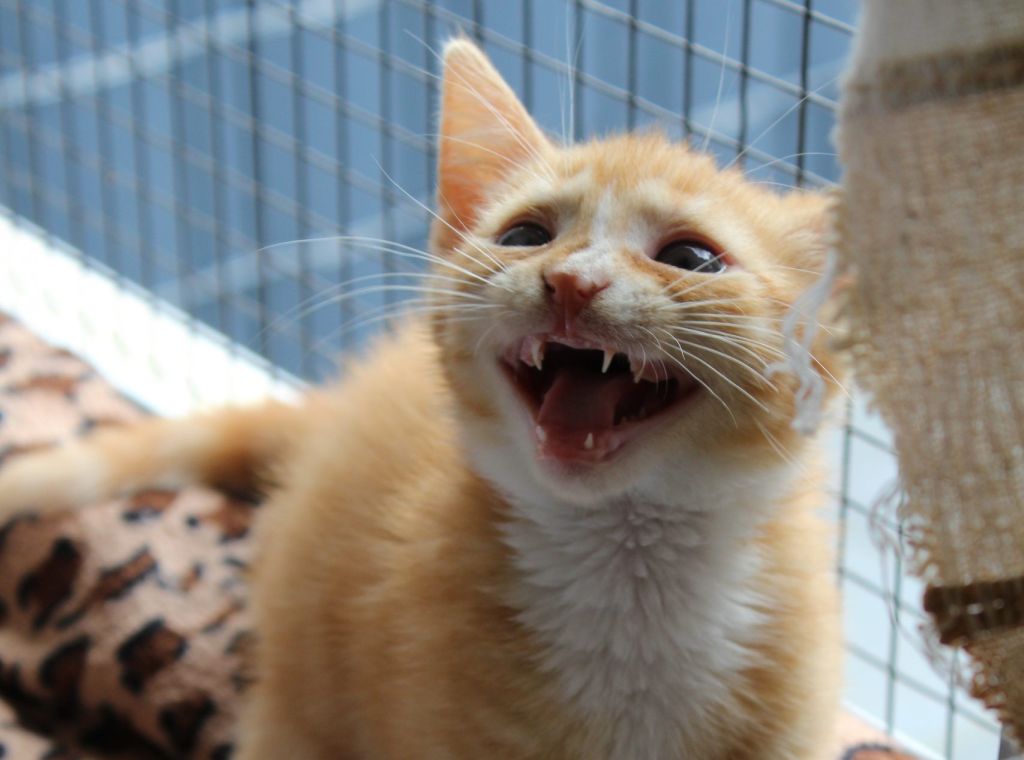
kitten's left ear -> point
(485, 133)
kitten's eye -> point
(688, 254)
(525, 235)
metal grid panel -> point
(186, 144)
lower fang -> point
(589, 443)
(542, 435)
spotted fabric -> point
(122, 628)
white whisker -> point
(779, 449)
(697, 270)
(684, 305)
(690, 372)
(495, 322)
(381, 245)
(348, 295)
(770, 127)
(460, 233)
(507, 159)
(328, 296)
(573, 67)
(738, 342)
(759, 375)
(450, 313)
(725, 378)
(791, 156)
(530, 149)
(721, 81)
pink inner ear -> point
(485, 133)
(464, 178)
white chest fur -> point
(643, 613)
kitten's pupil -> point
(525, 235)
(687, 254)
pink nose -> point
(570, 293)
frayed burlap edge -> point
(932, 148)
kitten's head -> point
(611, 307)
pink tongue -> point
(583, 400)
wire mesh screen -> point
(211, 151)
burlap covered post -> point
(931, 226)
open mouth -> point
(587, 401)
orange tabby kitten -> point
(566, 518)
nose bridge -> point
(592, 260)
(601, 238)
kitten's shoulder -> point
(386, 421)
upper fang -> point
(608, 356)
(537, 354)
(531, 352)
(638, 368)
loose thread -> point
(799, 329)
(924, 637)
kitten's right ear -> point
(485, 132)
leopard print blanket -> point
(123, 630)
(122, 627)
